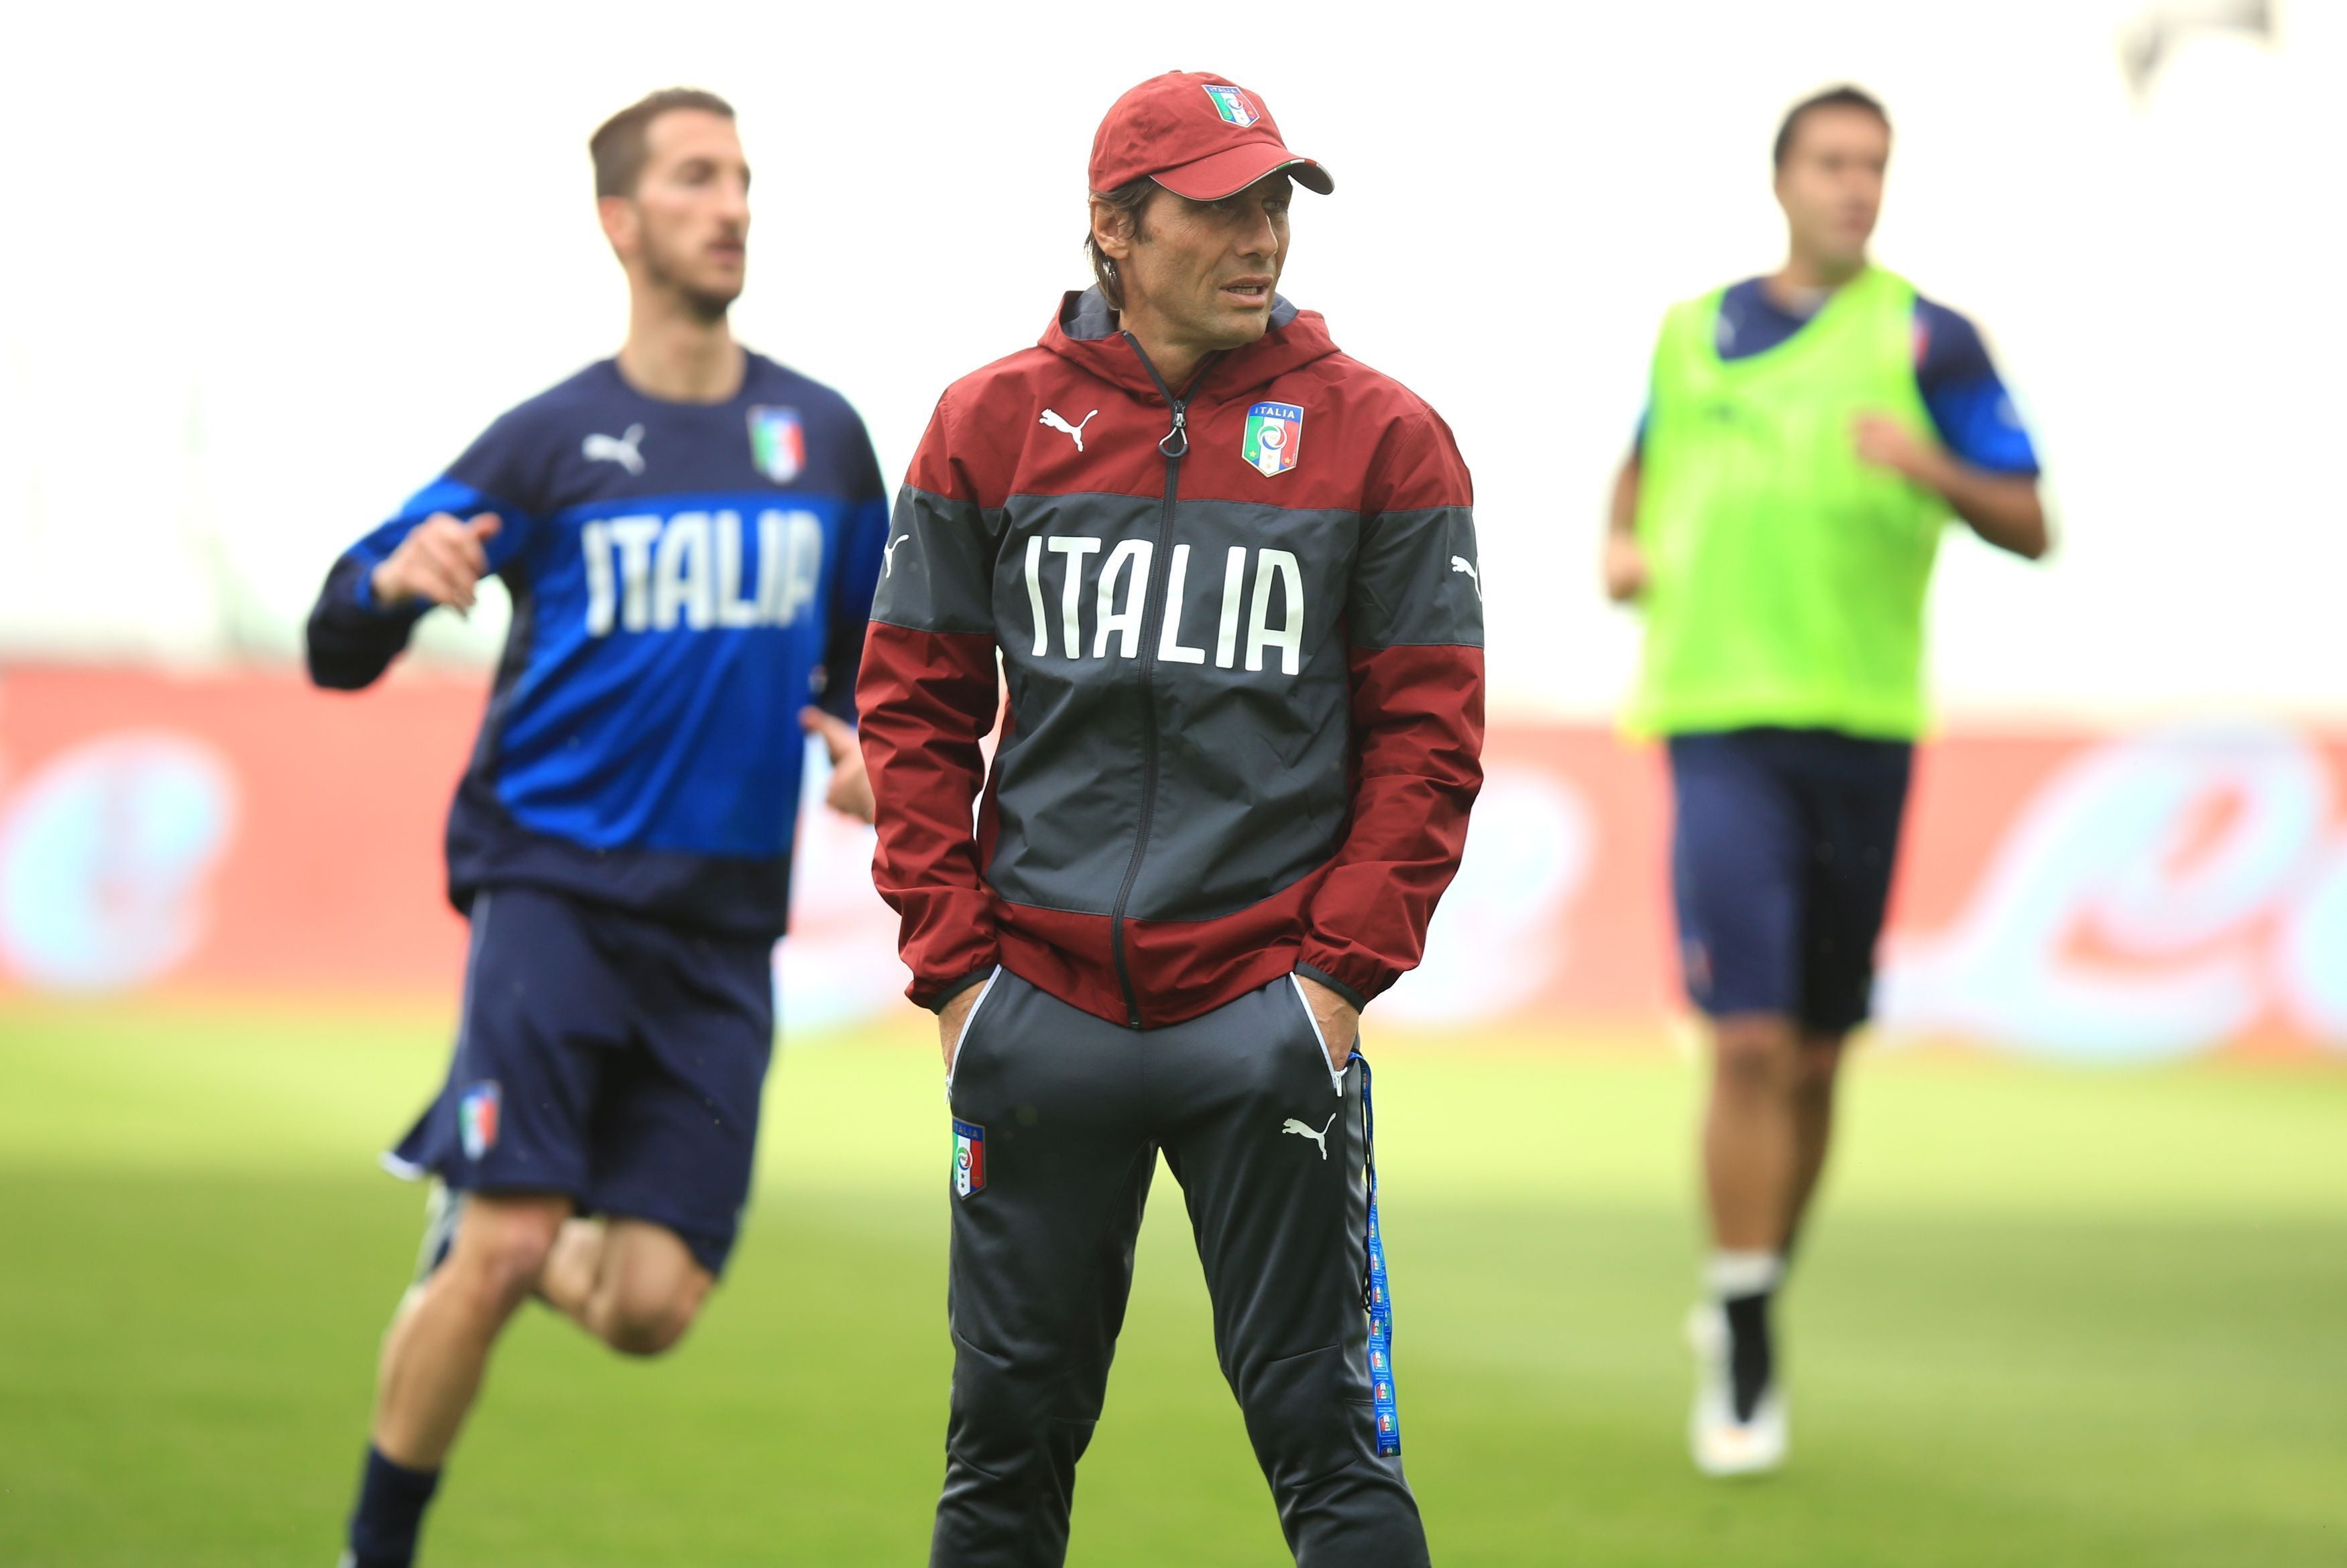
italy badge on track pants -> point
(1058, 1120)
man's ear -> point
(1111, 231)
(623, 226)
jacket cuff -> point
(936, 999)
(1353, 998)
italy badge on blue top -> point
(969, 1157)
(777, 443)
(1274, 432)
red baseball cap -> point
(1198, 135)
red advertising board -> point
(2091, 896)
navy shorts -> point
(606, 1057)
(1781, 855)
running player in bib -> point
(1809, 434)
(689, 533)
(1222, 565)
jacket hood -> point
(1083, 330)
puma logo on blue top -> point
(618, 449)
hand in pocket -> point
(1339, 1020)
(951, 1017)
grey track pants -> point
(1070, 1112)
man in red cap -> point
(1231, 576)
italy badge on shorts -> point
(1274, 432)
(969, 1157)
(777, 443)
(476, 1118)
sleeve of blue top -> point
(864, 548)
(350, 639)
(1967, 399)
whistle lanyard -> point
(1377, 1296)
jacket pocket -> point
(969, 1027)
(1320, 1040)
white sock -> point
(1729, 1275)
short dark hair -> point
(1128, 199)
(1844, 97)
(620, 144)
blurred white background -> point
(270, 267)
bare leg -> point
(1752, 1171)
(632, 1284)
(438, 1344)
(568, 1277)
(1751, 1154)
(1819, 1067)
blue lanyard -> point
(1377, 1296)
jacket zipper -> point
(1175, 444)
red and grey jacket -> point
(1243, 631)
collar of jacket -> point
(1084, 331)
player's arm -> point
(450, 535)
(864, 544)
(2004, 509)
(1416, 630)
(1983, 464)
(1623, 564)
(440, 562)
(926, 696)
(380, 588)
(863, 537)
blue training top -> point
(1965, 397)
(684, 577)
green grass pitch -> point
(2046, 1318)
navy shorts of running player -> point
(1781, 854)
(611, 1058)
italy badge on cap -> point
(1274, 432)
(1234, 105)
(969, 1157)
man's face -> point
(1831, 185)
(687, 224)
(1204, 272)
